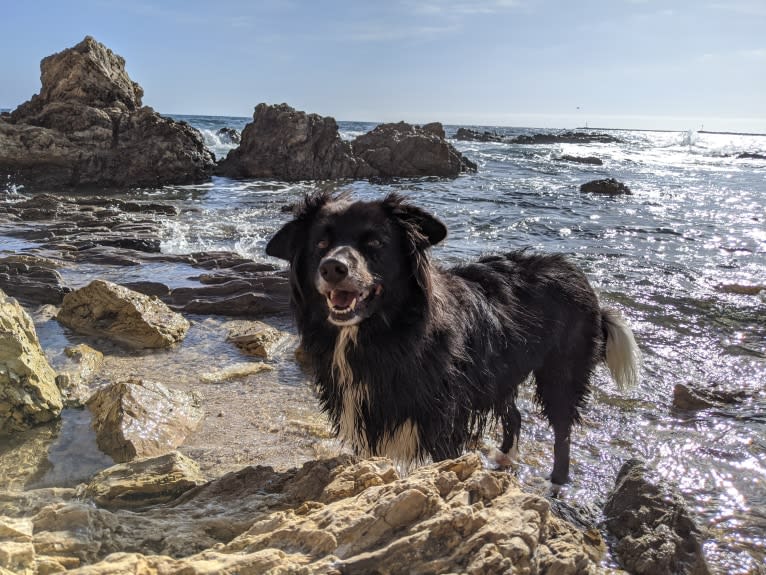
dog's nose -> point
(333, 270)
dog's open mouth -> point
(346, 306)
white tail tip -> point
(623, 358)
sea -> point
(683, 258)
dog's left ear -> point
(427, 225)
(282, 245)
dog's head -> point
(356, 258)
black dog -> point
(412, 360)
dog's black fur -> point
(413, 360)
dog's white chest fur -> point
(400, 444)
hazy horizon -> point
(631, 64)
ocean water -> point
(695, 224)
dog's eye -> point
(374, 243)
(323, 244)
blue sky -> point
(623, 63)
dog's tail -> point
(622, 356)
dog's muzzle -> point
(348, 286)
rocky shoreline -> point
(185, 495)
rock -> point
(144, 482)
(654, 529)
(255, 338)
(332, 516)
(565, 138)
(262, 295)
(87, 127)
(236, 371)
(24, 457)
(28, 392)
(228, 135)
(142, 418)
(740, 289)
(466, 134)
(751, 156)
(591, 160)
(106, 309)
(693, 399)
(608, 186)
(32, 282)
(403, 150)
(82, 366)
(291, 145)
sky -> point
(643, 64)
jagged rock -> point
(255, 337)
(83, 364)
(28, 392)
(403, 150)
(591, 160)
(291, 145)
(654, 529)
(608, 186)
(106, 309)
(331, 516)
(87, 127)
(141, 418)
(228, 135)
(144, 482)
(466, 134)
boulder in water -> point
(106, 309)
(608, 186)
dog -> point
(412, 360)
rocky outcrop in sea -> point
(564, 137)
(88, 127)
(288, 144)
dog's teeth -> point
(352, 305)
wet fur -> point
(446, 350)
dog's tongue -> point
(341, 299)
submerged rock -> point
(144, 482)
(87, 127)
(28, 392)
(332, 516)
(235, 371)
(291, 145)
(142, 418)
(255, 338)
(684, 397)
(32, 280)
(608, 186)
(82, 366)
(591, 160)
(654, 529)
(106, 309)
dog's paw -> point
(503, 460)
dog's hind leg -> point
(562, 390)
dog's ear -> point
(426, 225)
(287, 241)
(282, 245)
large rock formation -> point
(106, 309)
(87, 127)
(291, 145)
(287, 144)
(654, 529)
(406, 151)
(332, 516)
(28, 392)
